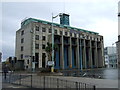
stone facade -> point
(77, 48)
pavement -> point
(99, 83)
(5, 83)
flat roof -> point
(25, 22)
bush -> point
(45, 70)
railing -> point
(34, 81)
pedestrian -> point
(5, 71)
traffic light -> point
(33, 58)
(10, 59)
(15, 59)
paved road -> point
(38, 81)
(5, 83)
(0, 81)
(99, 83)
(96, 73)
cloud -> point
(95, 15)
(107, 28)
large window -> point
(37, 37)
(22, 48)
(43, 38)
(60, 32)
(28, 61)
(37, 28)
(36, 46)
(22, 32)
(43, 46)
(50, 30)
(55, 31)
(70, 34)
(66, 33)
(21, 56)
(43, 29)
(22, 40)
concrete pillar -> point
(96, 55)
(102, 48)
(80, 57)
(89, 55)
(100, 55)
(70, 53)
(91, 62)
(85, 54)
(77, 52)
(62, 54)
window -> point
(22, 48)
(28, 61)
(55, 31)
(21, 56)
(43, 54)
(37, 28)
(22, 32)
(66, 33)
(22, 40)
(70, 34)
(74, 34)
(37, 37)
(50, 30)
(43, 29)
(60, 32)
(43, 38)
(43, 46)
(36, 46)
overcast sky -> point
(94, 15)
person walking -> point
(5, 71)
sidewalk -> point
(8, 85)
(99, 83)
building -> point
(110, 57)
(0, 57)
(118, 49)
(118, 42)
(77, 47)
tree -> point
(48, 49)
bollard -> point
(31, 80)
(85, 85)
(44, 82)
(76, 85)
(9, 78)
(57, 83)
(20, 80)
(94, 88)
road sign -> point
(50, 63)
(26, 56)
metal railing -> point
(34, 81)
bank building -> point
(77, 48)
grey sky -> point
(94, 15)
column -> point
(85, 65)
(70, 52)
(96, 55)
(91, 63)
(81, 55)
(62, 54)
(77, 59)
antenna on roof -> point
(64, 6)
(24, 19)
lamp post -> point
(114, 66)
(33, 50)
(53, 17)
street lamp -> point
(53, 17)
(114, 52)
